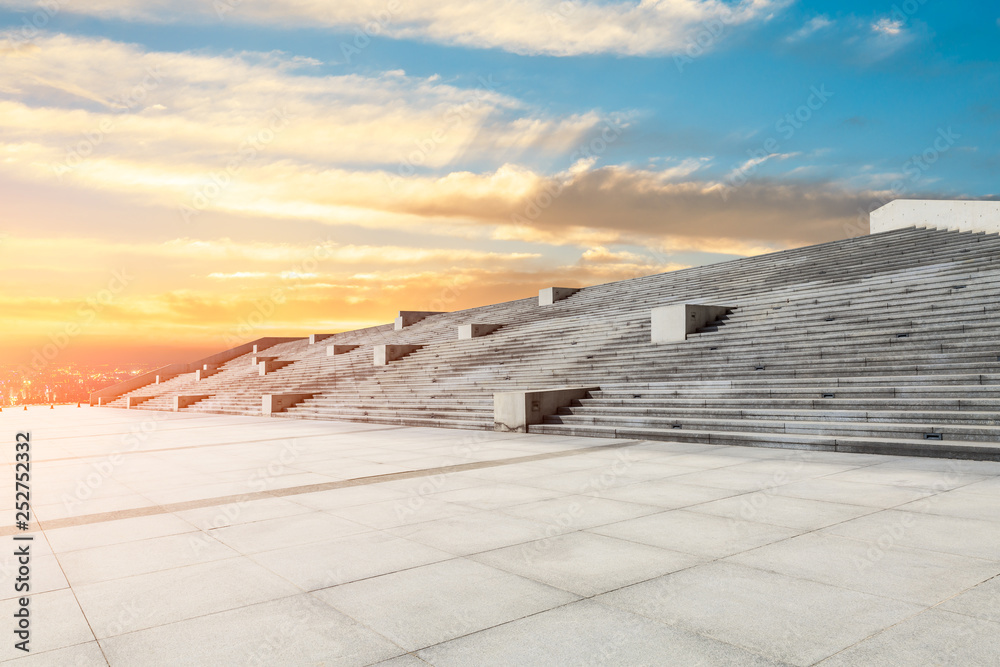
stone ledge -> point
(181, 402)
(469, 331)
(410, 317)
(673, 323)
(133, 401)
(203, 373)
(549, 295)
(333, 350)
(383, 354)
(515, 411)
(272, 403)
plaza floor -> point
(182, 539)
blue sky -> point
(494, 145)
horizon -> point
(177, 179)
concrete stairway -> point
(887, 342)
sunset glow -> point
(178, 175)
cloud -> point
(533, 27)
(810, 27)
(87, 97)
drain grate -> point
(933, 436)
(758, 368)
(829, 395)
(902, 335)
(675, 426)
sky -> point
(180, 176)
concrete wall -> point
(184, 401)
(410, 317)
(332, 350)
(271, 403)
(673, 323)
(468, 331)
(383, 354)
(516, 410)
(549, 295)
(962, 215)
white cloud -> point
(196, 108)
(551, 27)
(811, 26)
(887, 26)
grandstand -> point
(886, 343)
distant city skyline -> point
(179, 176)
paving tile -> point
(785, 511)
(116, 532)
(732, 478)
(934, 480)
(958, 503)
(584, 481)
(402, 512)
(248, 511)
(981, 601)
(586, 564)
(147, 600)
(430, 604)
(495, 495)
(44, 572)
(666, 493)
(80, 655)
(55, 622)
(698, 534)
(990, 487)
(587, 633)
(852, 493)
(934, 637)
(325, 564)
(949, 534)
(784, 618)
(297, 630)
(913, 575)
(471, 533)
(407, 660)
(574, 512)
(351, 496)
(250, 538)
(87, 566)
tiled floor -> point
(180, 539)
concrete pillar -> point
(255, 360)
(410, 317)
(181, 402)
(383, 354)
(333, 350)
(272, 403)
(516, 410)
(133, 401)
(549, 295)
(670, 324)
(316, 338)
(466, 331)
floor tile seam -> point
(218, 444)
(908, 618)
(169, 508)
